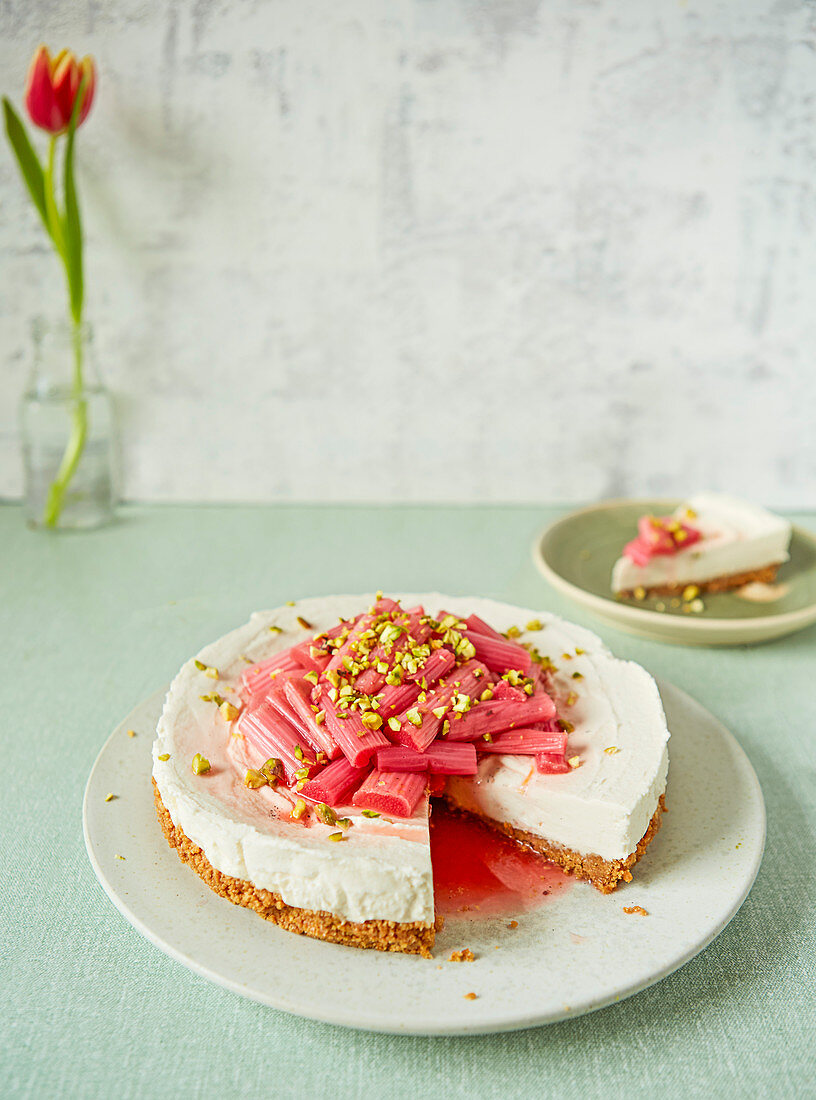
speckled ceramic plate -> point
(576, 554)
(577, 952)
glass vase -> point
(67, 429)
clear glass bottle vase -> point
(67, 428)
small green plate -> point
(576, 554)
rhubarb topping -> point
(382, 707)
(660, 535)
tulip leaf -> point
(30, 167)
(73, 222)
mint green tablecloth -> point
(90, 624)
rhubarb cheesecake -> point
(712, 542)
(297, 758)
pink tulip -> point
(52, 86)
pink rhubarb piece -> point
(357, 743)
(298, 693)
(525, 742)
(256, 677)
(499, 655)
(494, 717)
(551, 763)
(264, 728)
(438, 759)
(334, 783)
(394, 793)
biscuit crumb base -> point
(766, 575)
(412, 938)
(604, 874)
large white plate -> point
(576, 953)
(576, 554)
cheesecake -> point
(713, 542)
(297, 759)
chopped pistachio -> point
(566, 656)
(439, 712)
(301, 783)
(690, 592)
(445, 728)
(110, 797)
(414, 717)
(394, 724)
(200, 764)
(118, 856)
(486, 694)
(572, 699)
(487, 736)
(610, 750)
(164, 756)
(336, 836)
(303, 622)
(254, 779)
(302, 773)
(290, 603)
(299, 809)
(298, 752)
(208, 670)
(276, 629)
(534, 624)
(574, 761)
(579, 652)
(320, 717)
(512, 632)
(566, 727)
(325, 814)
(131, 733)
(229, 711)
(640, 592)
(370, 813)
(577, 675)
(345, 822)
(370, 720)
(272, 770)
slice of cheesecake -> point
(362, 876)
(713, 541)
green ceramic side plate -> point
(576, 554)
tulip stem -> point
(54, 219)
(79, 412)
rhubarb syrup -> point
(480, 872)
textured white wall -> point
(438, 249)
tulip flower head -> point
(52, 87)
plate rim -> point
(625, 612)
(493, 1025)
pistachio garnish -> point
(577, 675)
(394, 724)
(200, 764)
(414, 717)
(131, 733)
(164, 756)
(336, 836)
(276, 629)
(272, 770)
(325, 814)
(320, 717)
(574, 761)
(303, 622)
(534, 624)
(370, 813)
(610, 750)
(299, 809)
(254, 779)
(110, 797)
(371, 720)
(290, 603)
(228, 710)
(208, 670)
(298, 752)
